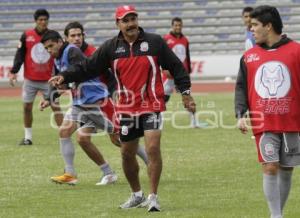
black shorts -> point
(133, 127)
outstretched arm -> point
(88, 68)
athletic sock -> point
(272, 194)
(28, 133)
(152, 195)
(138, 194)
(193, 119)
(105, 168)
(284, 181)
(142, 154)
(68, 152)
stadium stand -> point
(213, 27)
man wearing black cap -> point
(38, 66)
(135, 57)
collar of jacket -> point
(40, 33)
(176, 35)
(84, 46)
(140, 36)
(284, 39)
(61, 50)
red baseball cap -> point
(124, 10)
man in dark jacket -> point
(135, 57)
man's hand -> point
(242, 125)
(12, 79)
(56, 81)
(189, 103)
(43, 104)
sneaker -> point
(153, 204)
(133, 202)
(199, 124)
(25, 142)
(65, 179)
(108, 179)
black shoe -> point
(25, 142)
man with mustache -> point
(135, 57)
(74, 34)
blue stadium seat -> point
(250, 2)
(211, 25)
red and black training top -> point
(137, 70)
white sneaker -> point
(199, 124)
(153, 204)
(108, 179)
(133, 202)
(277, 216)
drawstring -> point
(286, 148)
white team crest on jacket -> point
(124, 130)
(272, 80)
(39, 54)
(144, 46)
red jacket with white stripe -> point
(137, 69)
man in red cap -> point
(135, 57)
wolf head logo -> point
(272, 80)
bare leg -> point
(152, 145)
(58, 115)
(130, 164)
(84, 140)
(27, 113)
(115, 139)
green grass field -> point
(209, 173)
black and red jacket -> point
(137, 70)
(106, 77)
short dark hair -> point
(73, 25)
(176, 19)
(247, 9)
(268, 14)
(41, 12)
(51, 35)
